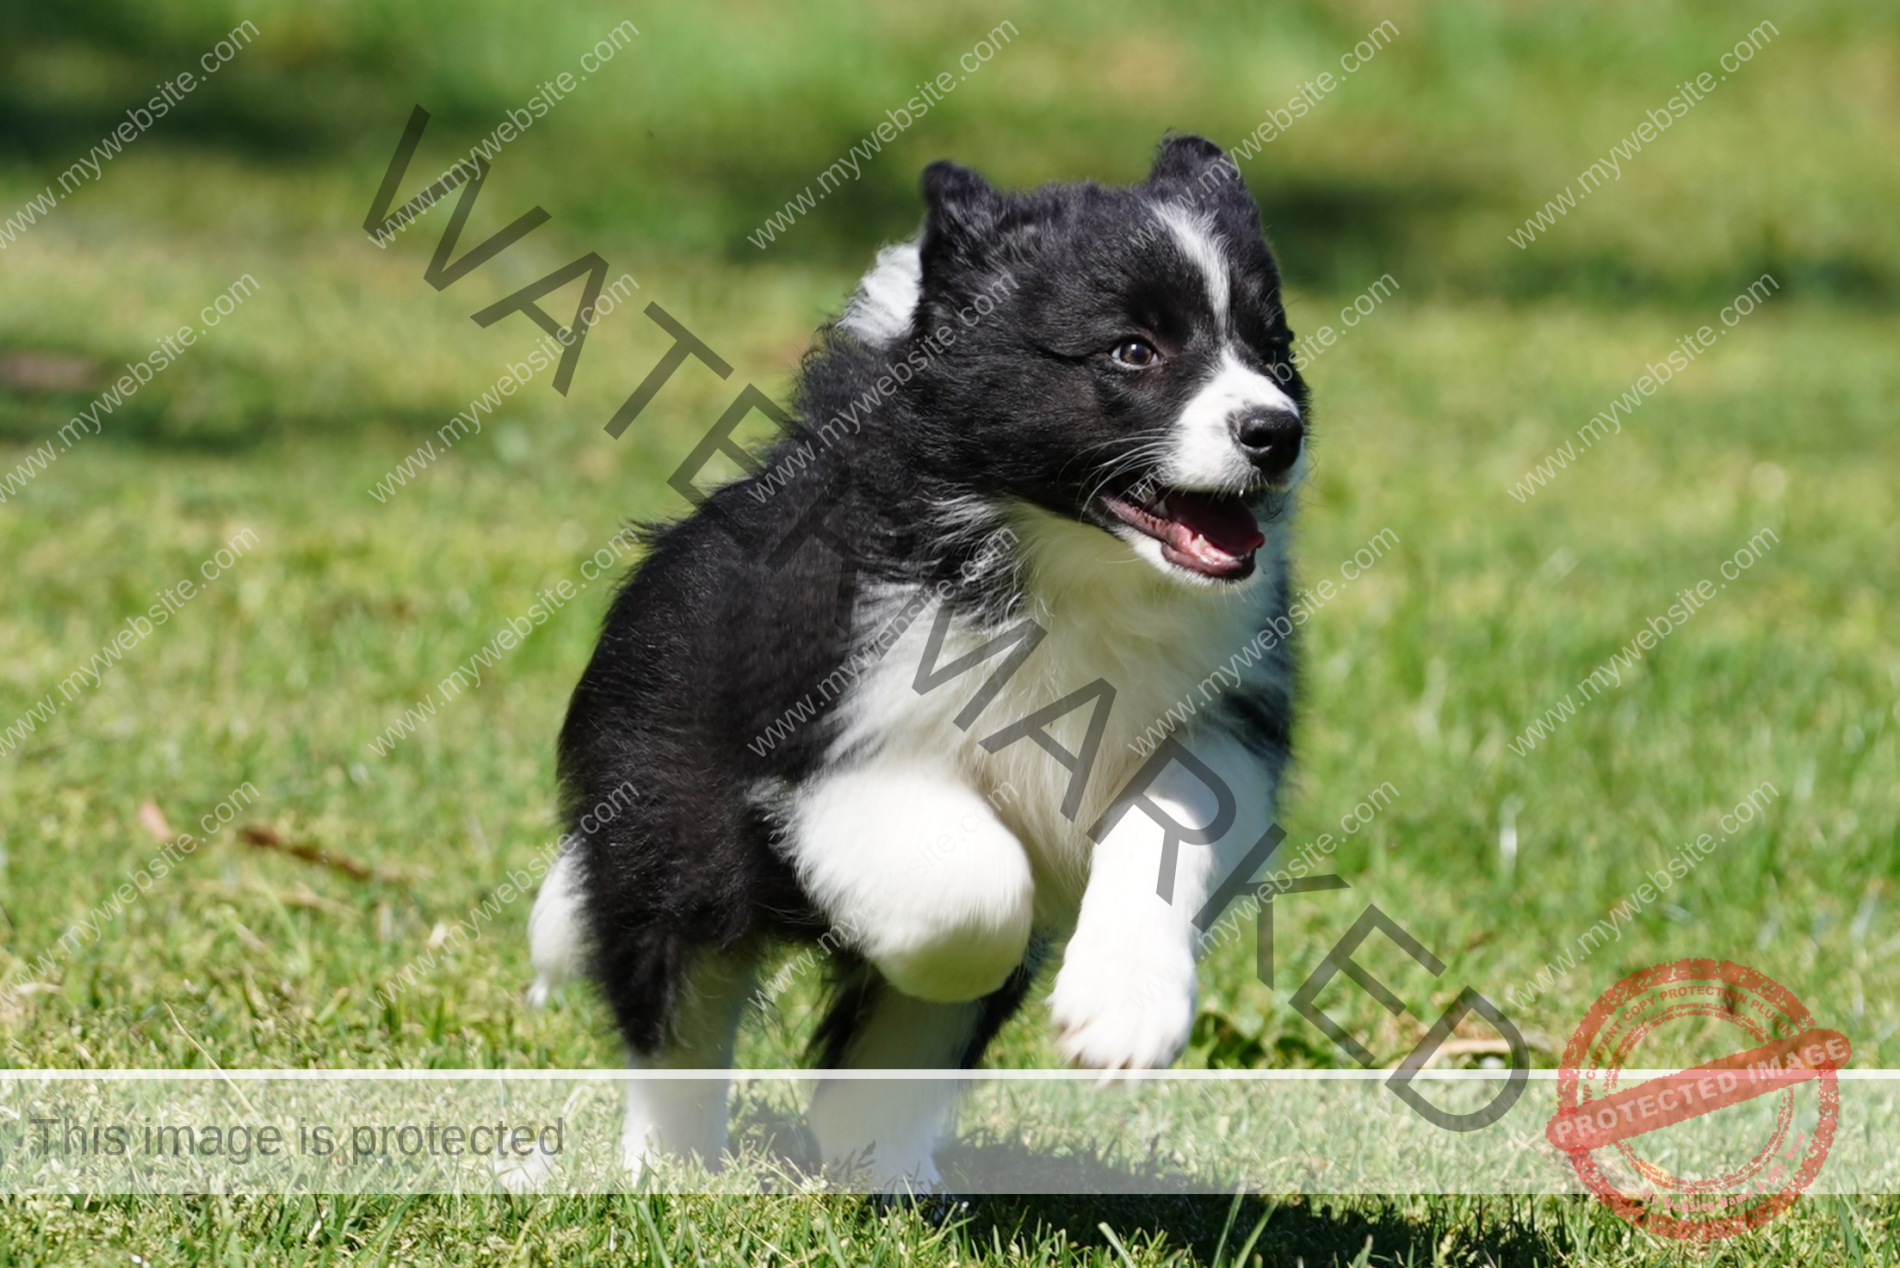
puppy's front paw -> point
(1118, 1009)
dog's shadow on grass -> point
(1144, 1199)
(1312, 1230)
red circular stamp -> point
(1661, 1151)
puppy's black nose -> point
(1270, 437)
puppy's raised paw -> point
(1119, 1010)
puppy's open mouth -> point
(1213, 534)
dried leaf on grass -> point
(153, 820)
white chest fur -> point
(1109, 617)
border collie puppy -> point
(886, 692)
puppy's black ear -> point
(1197, 168)
(1186, 159)
(960, 201)
(962, 219)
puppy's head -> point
(1118, 357)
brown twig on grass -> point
(267, 839)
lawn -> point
(1469, 361)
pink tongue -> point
(1201, 522)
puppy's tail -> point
(557, 931)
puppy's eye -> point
(1136, 354)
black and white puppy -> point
(884, 693)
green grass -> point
(1485, 359)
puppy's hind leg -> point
(686, 1117)
(888, 1123)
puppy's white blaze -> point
(881, 309)
(557, 931)
(941, 920)
(1205, 454)
(1203, 247)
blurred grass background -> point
(1484, 359)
